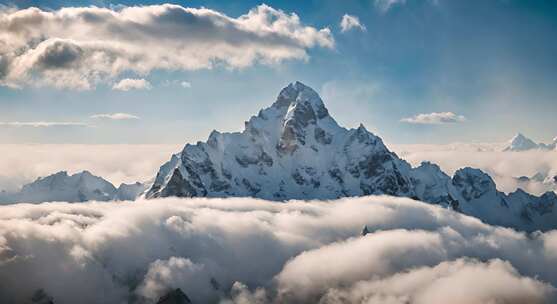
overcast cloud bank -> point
(242, 250)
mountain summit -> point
(522, 143)
(294, 149)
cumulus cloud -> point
(79, 47)
(242, 250)
(116, 116)
(132, 84)
(385, 5)
(349, 22)
(23, 163)
(42, 124)
(493, 282)
(435, 118)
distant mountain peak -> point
(522, 143)
(79, 187)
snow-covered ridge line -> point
(294, 149)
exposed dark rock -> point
(41, 297)
(176, 296)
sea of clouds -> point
(242, 250)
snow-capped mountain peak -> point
(60, 186)
(294, 149)
(522, 143)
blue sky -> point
(489, 64)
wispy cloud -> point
(132, 84)
(350, 22)
(43, 124)
(79, 47)
(176, 82)
(385, 5)
(435, 118)
(115, 116)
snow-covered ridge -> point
(294, 149)
(79, 187)
(522, 143)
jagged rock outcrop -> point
(294, 149)
(41, 297)
(129, 192)
(176, 296)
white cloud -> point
(43, 124)
(116, 116)
(175, 272)
(435, 118)
(385, 5)
(349, 22)
(79, 47)
(132, 84)
(494, 281)
(185, 84)
(305, 252)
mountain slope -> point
(294, 149)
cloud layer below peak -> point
(305, 252)
(82, 46)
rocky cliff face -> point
(294, 149)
